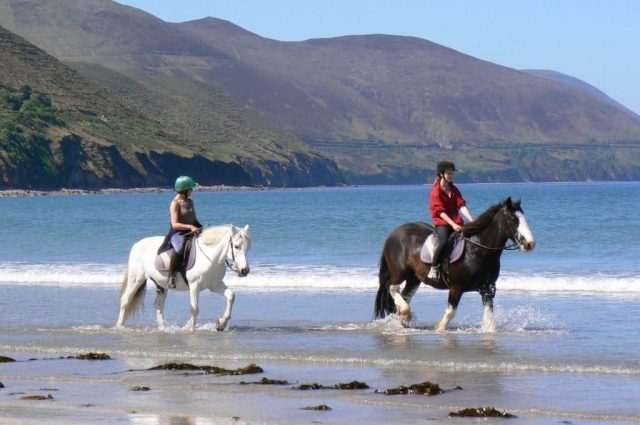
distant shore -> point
(68, 192)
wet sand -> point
(105, 391)
(125, 391)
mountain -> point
(385, 108)
(59, 128)
(578, 84)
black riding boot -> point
(173, 265)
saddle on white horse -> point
(429, 246)
(163, 260)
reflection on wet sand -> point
(141, 419)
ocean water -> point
(566, 346)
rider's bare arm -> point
(465, 212)
(451, 223)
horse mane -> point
(481, 222)
(213, 235)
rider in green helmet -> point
(184, 224)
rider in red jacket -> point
(446, 203)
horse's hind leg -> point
(454, 299)
(402, 306)
(410, 288)
(230, 296)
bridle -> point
(507, 247)
(226, 261)
(233, 254)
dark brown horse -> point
(477, 270)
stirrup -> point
(434, 273)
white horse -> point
(216, 246)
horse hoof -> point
(219, 326)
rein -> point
(233, 253)
(506, 247)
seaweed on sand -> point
(481, 412)
(425, 388)
(213, 370)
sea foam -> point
(268, 277)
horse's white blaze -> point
(523, 228)
(214, 246)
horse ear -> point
(516, 204)
(245, 229)
(507, 202)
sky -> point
(596, 41)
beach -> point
(564, 350)
(514, 369)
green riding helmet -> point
(444, 166)
(185, 183)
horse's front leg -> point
(194, 292)
(222, 289)
(455, 293)
(161, 297)
(488, 321)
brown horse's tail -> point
(384, 302)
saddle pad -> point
(164, 258)
(426, 253)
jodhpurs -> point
(443, 233)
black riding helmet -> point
(444, 166)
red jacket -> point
(440, 203)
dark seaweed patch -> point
(481, 412)
(91, 356)
(425, 388)
(320, 407)
(267, 381)
(37, 397)
(353, 385)
(213, 370)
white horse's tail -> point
(125, 279)
(136, 301)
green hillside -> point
(59, 128)
(384, 108)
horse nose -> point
(531, 245)
(244, 272)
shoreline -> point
(10, 193)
